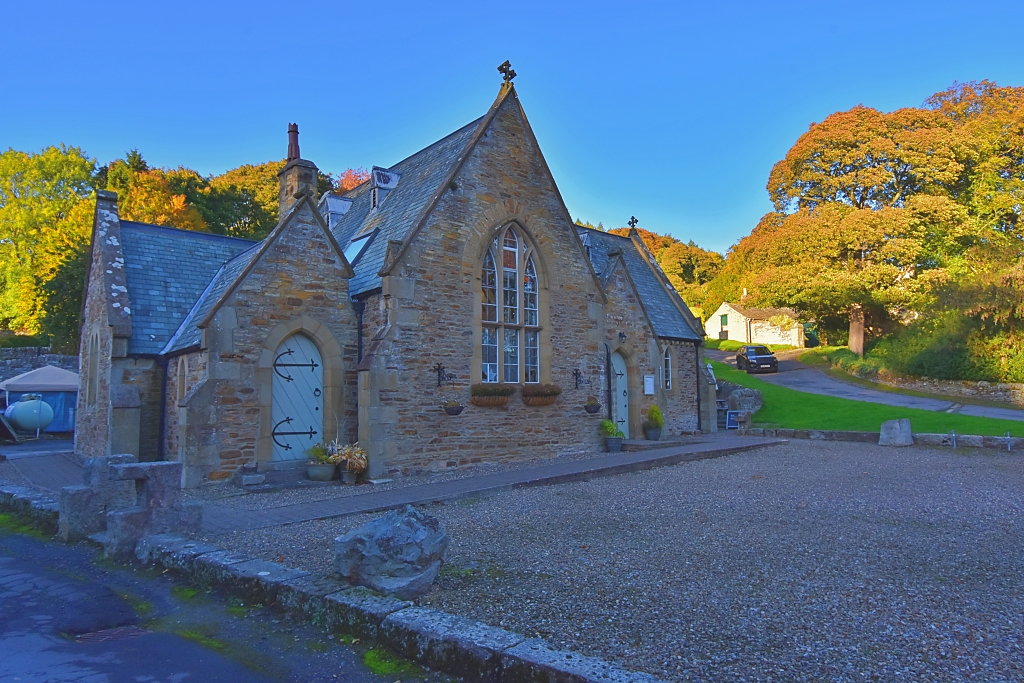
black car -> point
(756, 359)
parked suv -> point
(756, 359)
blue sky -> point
(674, 112)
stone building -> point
(756, 325)
(361, 313)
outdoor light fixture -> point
(442, 376)
(622, 336)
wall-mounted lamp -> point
(622, 336)
(442, 376)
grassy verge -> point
(797, 410)
(733, 345)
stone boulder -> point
(398, 554)
(896, 433)
(740, 398)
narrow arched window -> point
(182, 378)
(92, 387)
(516, 331)
(667, 371)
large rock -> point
(740, 398)
(398, 554)
(896, 433)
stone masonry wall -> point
(14, 362)
(433, 297)
(298, 281)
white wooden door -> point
(298, 398)
(620, 389)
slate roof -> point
(166, 271)
(762, 313)
(668, 321)
(188, 335)
(420, 176)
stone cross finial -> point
(633, 221)
(506, 71)
(293, 141)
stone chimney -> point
(298, 177)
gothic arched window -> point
(667, 371)
(510, 337)
(182, 378)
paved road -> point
(795, 375)
(67, 616)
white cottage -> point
(756, 325)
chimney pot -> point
(293, 141)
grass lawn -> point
(797, 410)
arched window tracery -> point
(510, 343)
(667, 370)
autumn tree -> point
(45, 221)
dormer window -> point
(373, 199)
(382, 181)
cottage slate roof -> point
(166, 271)
(668, 321)
(420, 176)
(762, 313)
(188, 334)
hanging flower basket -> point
(592, 408)
(539, 400)
(452, 407)
(488, 400)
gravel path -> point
(806, 562)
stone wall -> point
(764, 332)
(298, 285)
(432, 298)
(14, 362)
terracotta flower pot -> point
(539, 400)
(488, 400)
(321, 472)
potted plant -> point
(452, 407)
(613, 436)
(352, 459)
(592, 405)
(540, 394)
(487, 394)
(653, 424)
(320, 466)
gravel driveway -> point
(806, 562)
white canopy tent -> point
(59, 388)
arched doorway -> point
(298, 398)
(620, 393)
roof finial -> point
(293, 141)
(633, 221)
(506, 71)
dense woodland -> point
(911, 220)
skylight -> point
(355, 247)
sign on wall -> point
(648, 385)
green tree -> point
(44, 220)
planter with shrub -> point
(654, 423)
(452, 407)
(541, 394)
(320, 466)
(613, 436)
(486, 394)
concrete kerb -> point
(41, 510)
(1000, 443)
(436, 639)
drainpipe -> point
(359, 307)
(161, 447)
(700, 374)
(608, 376)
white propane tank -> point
(30, 413)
